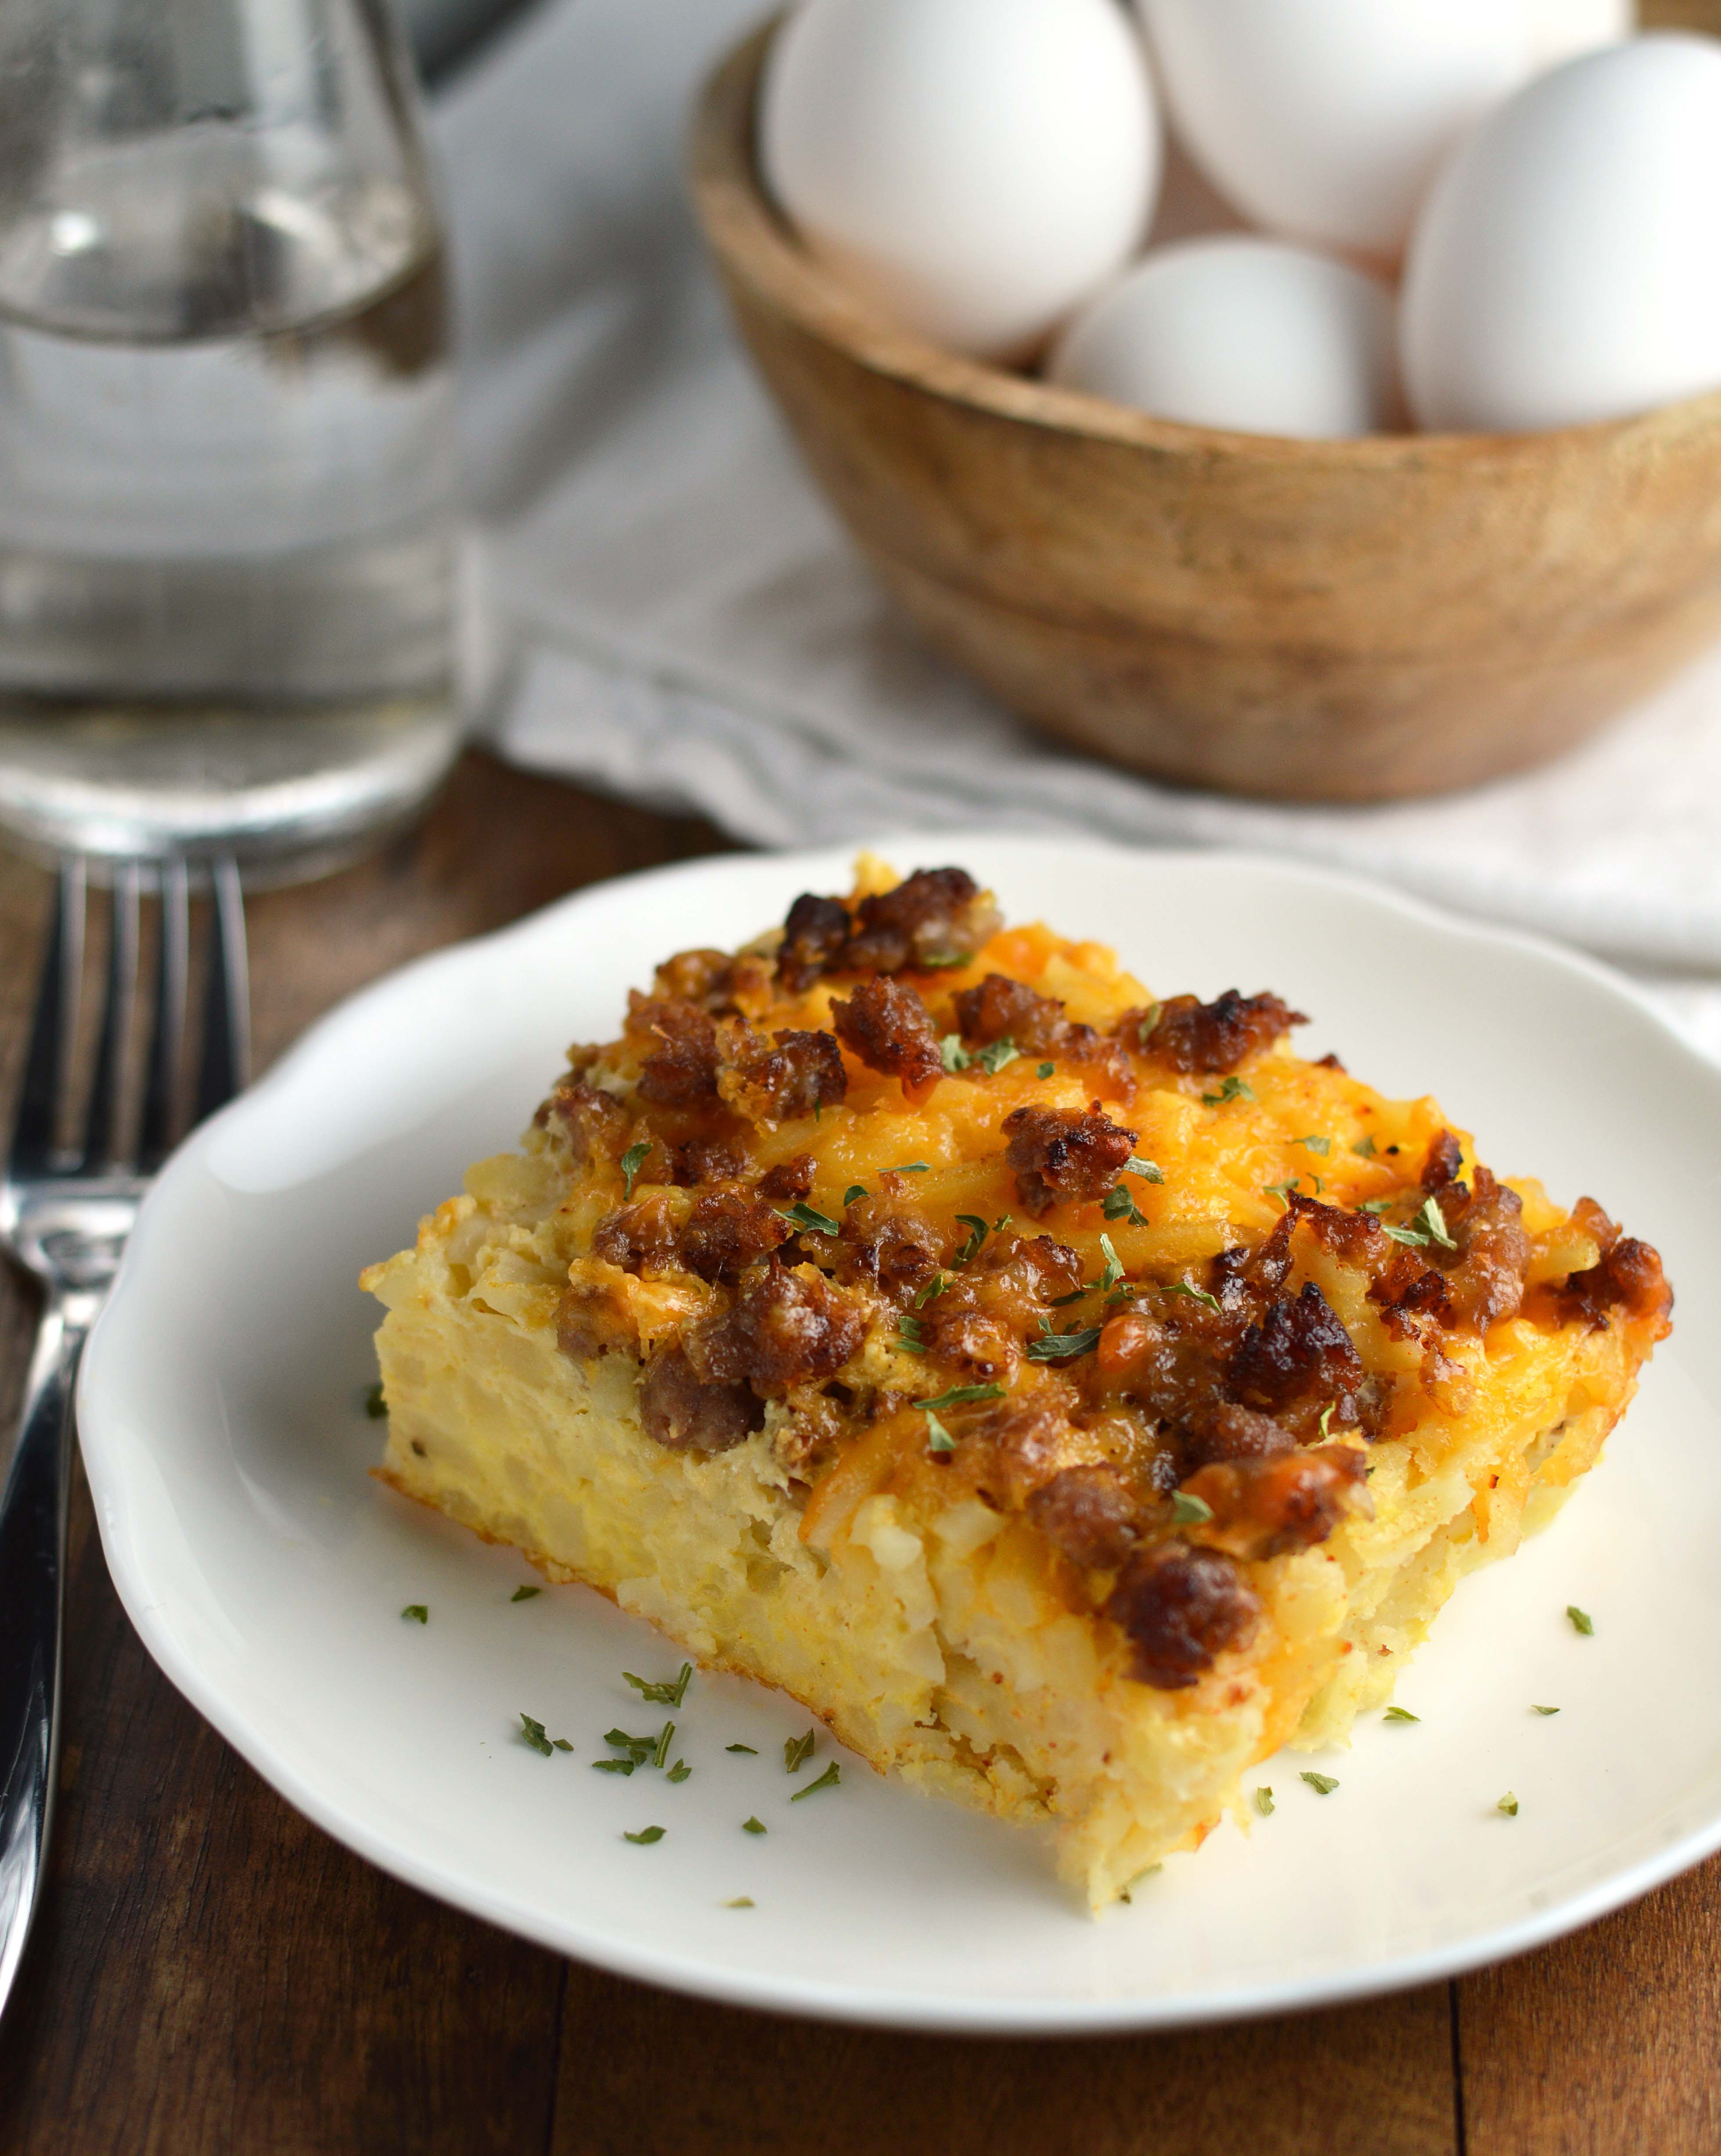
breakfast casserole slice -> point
(1070, 1397)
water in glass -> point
(226, 464)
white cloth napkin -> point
(674, 616)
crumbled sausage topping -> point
(1003, 1010)
(932, 918)
(813, 938)
(1064, 1155)
(1090, 1514)
(1215, 1037)
(888, 1026)
(773, 1082)
(725, 1232)
(786, 1327)
(1181, 1608)
(887, 1243)
(691, 1414)
(1628, 1277)
(679, 1050)
(1164, 1424)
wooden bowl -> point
(1338, 621)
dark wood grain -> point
(210, 1973)
(1605, 2043)
(213, 1977)
(1369, 2081)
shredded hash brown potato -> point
(1069, 1397)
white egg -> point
(1327, 119)
(975, 168)
(1561, 29)
(1240, 332)
(1567, 266)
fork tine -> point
(166, 1052)
(53, 1032)
(105, 1133)
(227, 1002)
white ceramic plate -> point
(227, 1444)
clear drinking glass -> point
(226, 436)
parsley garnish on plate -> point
(1508, 1805)
(852, 1196)
(1264, 1801)
(805, 1221)
(797, 1751)
(752, 1826)
(1323, 1785)
(679, 1772)
(938, 1439)
(993, 1060)
(753, 1749)
(1189, 1511)
(1364, 1148)
(531, 1733)
(954, 1055)
(661, 1751)
(909, 1338)
(417, 1613)
(827, 1780)
(1114, 1269)
(1321, 1146)
(1045, 1070)
(1400, 1714)
(647, 1835)
(614, 1766)
(977, 1235)
(1119, 1205)
(933, 1289)
(1581, 1621)
(1234, 1088)
(1544, 1710)
(375, 1406)
(525, 1594)
(632, 1161)
(670, 1694)
(913, 1168)
(1149, 1171)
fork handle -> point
(33, 1557)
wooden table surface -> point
(210, 1973)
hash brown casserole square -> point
(1069, 1397)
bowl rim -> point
(756, 249)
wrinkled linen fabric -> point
(670, 612)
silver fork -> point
(65, 1212)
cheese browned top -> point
(947, 1209)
